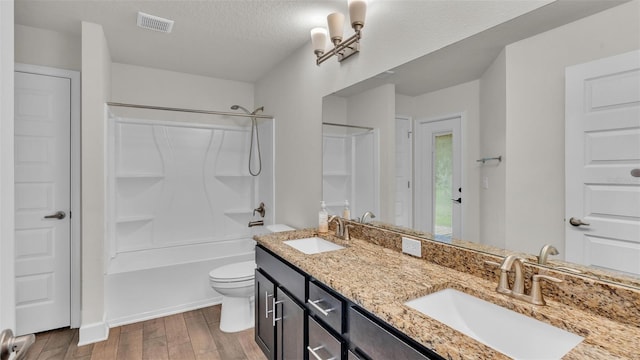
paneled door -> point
(42, 202)
(603, 163)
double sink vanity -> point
(324, 297)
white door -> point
(42, 189)
(603, 163)
(438, 165)
(404, 173)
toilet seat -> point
(233, 273)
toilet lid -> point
(234, 272)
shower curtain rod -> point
(349, 126)
(210, 112)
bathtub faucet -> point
(256, 223)
(260, 210)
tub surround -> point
(373, 273)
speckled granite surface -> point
(380, 279)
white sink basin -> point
(313, 245)
(507, 331)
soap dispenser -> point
(346, 213)
(323, 219)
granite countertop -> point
(381, 280)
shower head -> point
(236, 107)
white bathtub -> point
(145, 285)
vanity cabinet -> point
(279, 317)
(322, 344)
(298, 317)
(327, 306)
(376, 341)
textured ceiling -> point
(244, 39)
(236, 40)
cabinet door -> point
(376, 342)
(289, 328)
(264, 329)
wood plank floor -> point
(191, 335)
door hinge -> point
(408, 184)
(70, 214)
(408, 134)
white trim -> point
(76, 218)
(93, 333)
(126, 320)
(7, 236)
(420, 184)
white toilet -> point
(236, 284)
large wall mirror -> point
(471, 141)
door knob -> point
(635, 172)
(58, 215)
(14, 344)
(458, 200)
(577, 222)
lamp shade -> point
(357, 13)
(336, 26)
(319, 39)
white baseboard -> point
(125, 320)
(93, 333)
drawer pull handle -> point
(314, 303)
(274, 318)
(315, 355)
(266, 304)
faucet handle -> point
(538, 277)
(536, 291)
(492, 263)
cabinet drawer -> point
(283, 274)
(322, 345)
(376, 342)
(326, 306)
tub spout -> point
(256, 223)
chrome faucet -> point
(517, 290)
(518, 284)
(363, 219)
(342, 229)
(546, 250)
(339, 227)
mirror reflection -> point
(350, 169)
(472, 141)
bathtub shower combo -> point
(183, 188)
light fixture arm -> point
(342, 50)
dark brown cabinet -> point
(279, 318)
(299, 318)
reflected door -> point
(603, 163)
(404, 173)
(438, 193)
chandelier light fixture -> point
(335, 21)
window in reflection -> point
(443, 183)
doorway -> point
(438, 175)
(602, 159)
(47, 204)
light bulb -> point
(319, 40)
(336, 27)
(357, 13)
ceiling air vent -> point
(155, 23)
